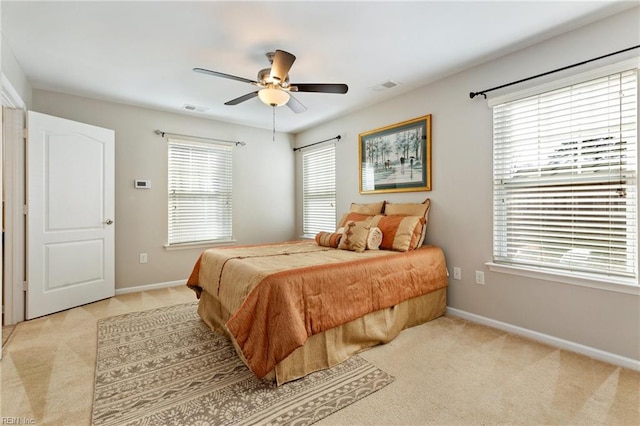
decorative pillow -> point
(354, 216)
(374, 238)
(328, 239)
(355, 236)
(411, 209)
(399, 232)
(408, 209)
(370, 209)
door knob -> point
(108, 221)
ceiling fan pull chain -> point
(274, 123)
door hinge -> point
(25, 286)
(25, 209)
(25, 133)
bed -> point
(296, 307)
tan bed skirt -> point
(335, 345)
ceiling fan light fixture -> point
(273, 97)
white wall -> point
(263, 180)
(12, 73)
(461, 214)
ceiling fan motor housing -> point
(264, 77)
(270, 56)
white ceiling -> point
(142, 52)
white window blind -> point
(319, 190)
(565, 179)
(200, 192)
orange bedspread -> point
(275, 309)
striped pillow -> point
(411, 209)
(354, 216)
(399, 232)
(328, 239)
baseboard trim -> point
(588, 351)
(146, 287)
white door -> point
(70, 204)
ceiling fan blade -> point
(321, 87)
(282, 62)
(243, 98)
(223, 75)
(295, 105)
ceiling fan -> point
(275, 89)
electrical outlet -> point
(143, 258)
(457, 273)
(480, 277)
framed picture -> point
(396, 158)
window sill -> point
(198, 245)
(619, 285)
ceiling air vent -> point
(194, 108)
(385, 85)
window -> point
(565, 179)
(200, 192)
(319, 191)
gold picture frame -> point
(396, 158)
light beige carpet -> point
(447, 372)
(166, 367)
(48, 364)
(453, 372)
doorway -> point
(71, 196)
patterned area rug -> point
(166, 367)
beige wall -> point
(461, 213)
(263, 179)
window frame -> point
(220, 152)
(610, 283)
(332, 218)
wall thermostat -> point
(142, 184)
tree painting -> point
(395, 158)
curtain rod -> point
(316, 143)
(484, 92)
(162, 134)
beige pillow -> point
(399, 232)
(411, 209)
(371, 209)
(374, 238)
(354, 237)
